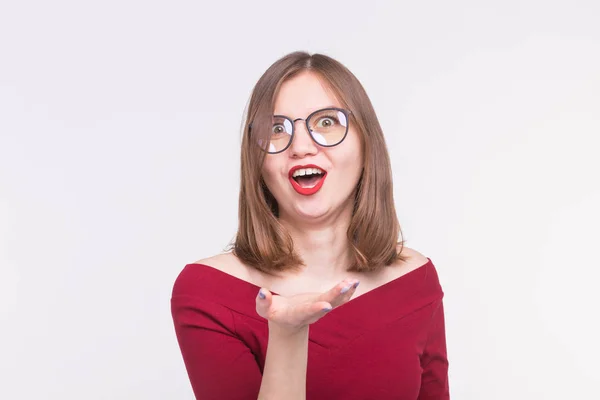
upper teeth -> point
(306, 171)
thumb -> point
(264, 299)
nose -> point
(302, 144)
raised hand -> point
(296, 312)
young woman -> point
(282, 316)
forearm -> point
(284, 375)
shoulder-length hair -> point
(262, 241)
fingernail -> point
(356, 284)
(261, 294)
(345, 289)
(327, 309)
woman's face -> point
(317, 196)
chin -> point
(311, 211)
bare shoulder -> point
(414, 260)
(228, 263)
(225, 262)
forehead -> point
(304, 93)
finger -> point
(312, 312)
(264, 300)
(341, 292)
(319, 307)
(346, 293)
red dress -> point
(388, 343)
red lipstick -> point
(302, 190)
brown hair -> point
(261, 241)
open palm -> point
(298, 311)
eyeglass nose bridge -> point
(294, 125)
(292, 136)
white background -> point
(119, 145)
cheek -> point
(353, 156)
(269, 173)
(353, 143)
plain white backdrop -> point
(119, 164)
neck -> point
(324, 247)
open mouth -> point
(307, 180)
(310, 177)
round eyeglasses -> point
(327, 127)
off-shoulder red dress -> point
(388, 343)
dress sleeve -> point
(434, 361)
(219, 365)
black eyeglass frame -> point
(346, 113)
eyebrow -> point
(313, 110)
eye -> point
(326, 122)
(278, 129)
